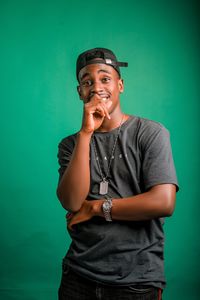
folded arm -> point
(158, 202)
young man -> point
(118, 182)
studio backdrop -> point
(40, 41)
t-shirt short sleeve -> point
(157, 160)
(65, 150)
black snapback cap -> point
(98, 56)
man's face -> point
(101, 80)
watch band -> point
(106, 207)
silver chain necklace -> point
(103, 185)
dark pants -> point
(76, 287)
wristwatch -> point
(106, 207)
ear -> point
(79, 92)
(121, 85)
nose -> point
(96, 88)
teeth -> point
(104, 99)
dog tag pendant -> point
(103, 189)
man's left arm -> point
(158, 202)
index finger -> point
(106, 107)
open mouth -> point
(104, 97)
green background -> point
(40, 41)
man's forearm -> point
(75, 183)
(156, 203)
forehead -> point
(95, 69)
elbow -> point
(67, 203)
(168, 212)
(166, 197)
(69, 207)
(169, 206)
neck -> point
(114, 122)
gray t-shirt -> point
(123, 252)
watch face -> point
(106, 210)
(106, 206)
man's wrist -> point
(83, 133)
(97, 208)
(106, 207)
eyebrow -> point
(99, 71)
